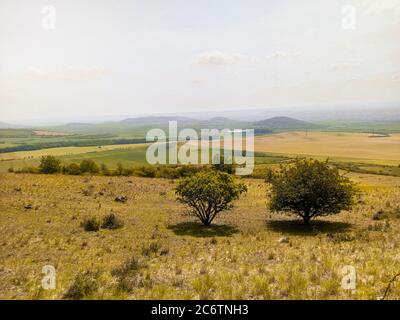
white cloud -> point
(218, 58)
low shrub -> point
(152, 249)
(84, 285)
(146, 172)
(110, 221)
(91, 224)
(28, 170)
(89, 166)
(72, 169)
(128, 274)
(131, 266)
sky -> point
(79, 58)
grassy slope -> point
(239, 258)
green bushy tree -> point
(208, 193)
(310, 188)
(49, 164)
(89, 166)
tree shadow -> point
(297, 227)
(198, 230)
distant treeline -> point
(71, 143)
(52, 165)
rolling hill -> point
(280, 123)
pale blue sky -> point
(134, 57)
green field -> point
(357, 152)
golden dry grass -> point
(239, 258)
(382, 150)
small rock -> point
(122, 199)
(28, 206)
(283, 240)
(18, 189)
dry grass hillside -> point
(161, 254)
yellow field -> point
(63, 151)
(241, 257)
(384, 150)
(45, 133)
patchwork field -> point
(128, 154)
(249, 253)
(358, 152)
(65, 151)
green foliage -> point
(222, 166)
(168, 172)
(310, 188)
(147, 172)
(73, 169)
(27, 170)
(49, 164)
(89, 166)
(69, 142)
(122, 171)
(208, 193)
(104, 170)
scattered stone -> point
(28, 206)
(18, 189)
(122, 199)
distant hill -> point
(143, 121)
(4, 125)
(139, 125)
(220, 120)
(278, 123)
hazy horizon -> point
(344, 112)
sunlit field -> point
(342, 146)
(250, 253)
(64, 151)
